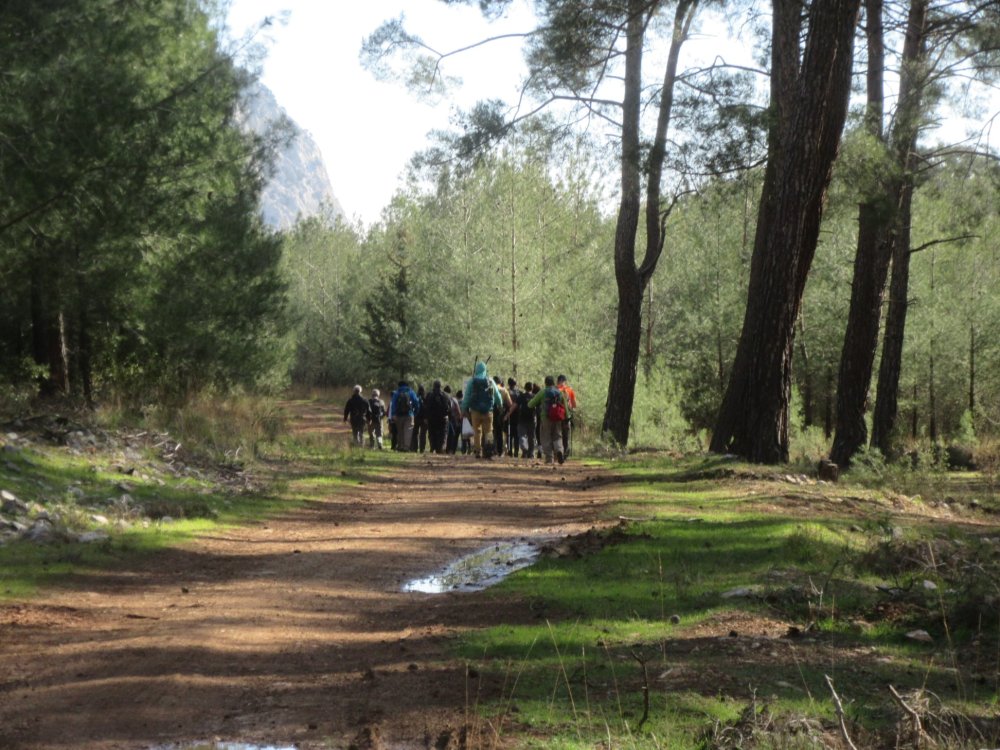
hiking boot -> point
(559, 457)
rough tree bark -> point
(891, 364)
(876, 225)
(809, 100)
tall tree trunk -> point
(891, 364)
(61, 355)
(628, 331)
(876, 220)
(810, 105)
(871, 269)
(632, 280)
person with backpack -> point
(481, 397)
(357, 412)
(522, 422)
(419, 441)
(376, 407)
(567, 426)
(513, 446)
(404, 406)
(454, 421)
(553, 403)
(437, 411)
(500, 418)
(463, 439)
(390, 419)
(535, 390)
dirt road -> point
(293, 631)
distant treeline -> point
(513, 260)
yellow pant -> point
(482, 429)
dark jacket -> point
(357, 409)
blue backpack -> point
(482, 395)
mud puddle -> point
(479, 570)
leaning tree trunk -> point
(876, 221)
(810, 102)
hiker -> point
(376, 412)
(419, 423)
(535, 389)
(405, 404)
(437, 412)
(567, 426)
(481, 397)
(522, 421)
(500, 418)
(357, 411)
(512, 443)
(553, 414)
(464, 441)
(454, 422)
(390, 417)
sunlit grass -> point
(698, 547)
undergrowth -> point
(123, 486)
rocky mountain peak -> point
(299, 187)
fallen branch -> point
(839, 707)
(915, 715)
(645, 690)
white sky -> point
(367, 130)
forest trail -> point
(291, 631)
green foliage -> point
(510, 259)
(329, 279)
(658, 420)
(128, 233)
(503, 262)
(695, 303)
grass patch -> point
(713, 618)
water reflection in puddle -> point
(479, 570)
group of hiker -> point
(486, 418)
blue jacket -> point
(414, 401)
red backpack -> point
(554, 407)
